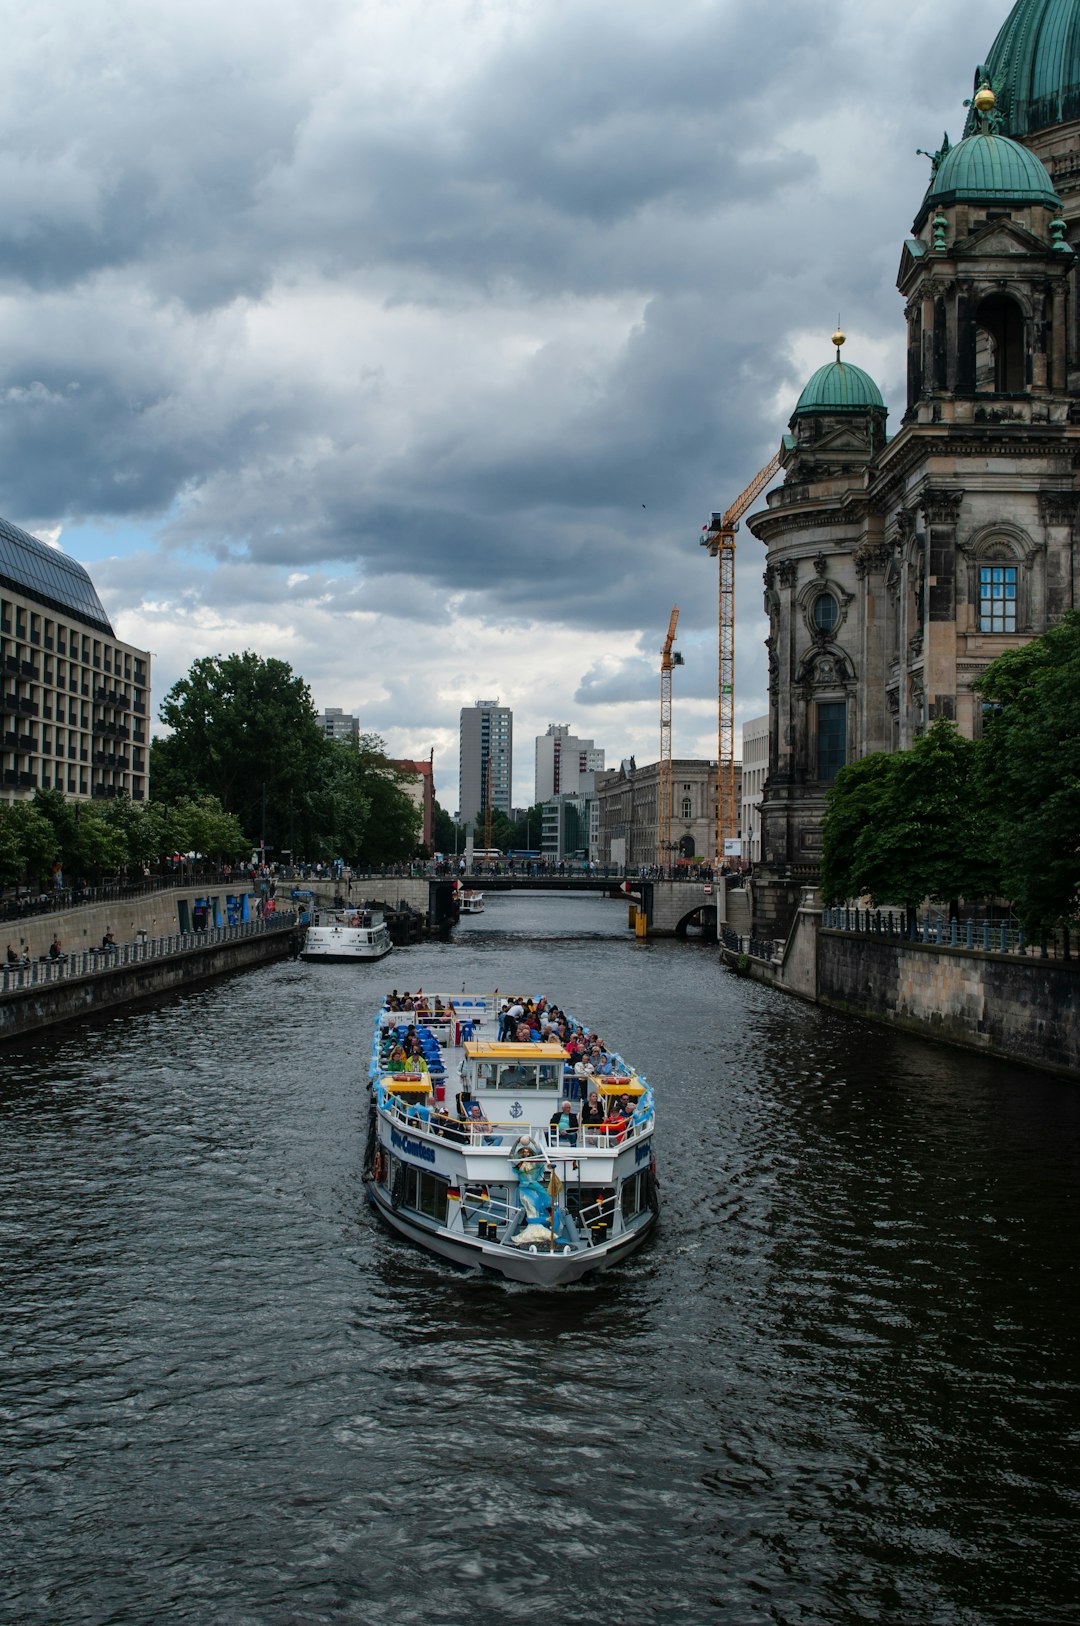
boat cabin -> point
(489, 1065)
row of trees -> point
(246, 766)
(84, 841)
(994, 818)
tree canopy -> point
(1030, 773)
(911, 825)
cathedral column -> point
(941, 511)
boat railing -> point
(605, 1137)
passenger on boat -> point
(397, 1060)
(564, 1125)
(592, 1113)
(479, 1124)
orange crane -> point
(719, 538)
(669, 659)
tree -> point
(28, 843)
(1030, 773)
(449, 835)
(244, 731)
(910, 826)
(394, 819)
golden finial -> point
(984, 99)
(838, 339)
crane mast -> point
(669, 659)
(719, 538)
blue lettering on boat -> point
(413, 1148)
(642, 1152)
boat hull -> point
(540, 1269)
(345, 957)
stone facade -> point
(629, 803)
(898, 569)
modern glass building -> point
(74, 699)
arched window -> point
(999, 347)
(687, 810)
(825, 612)
(686, 847)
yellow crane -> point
(669, 659)
(719, 538)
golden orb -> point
(839, 338)
(984, 99)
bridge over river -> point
(659, 908)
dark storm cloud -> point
(234, 244)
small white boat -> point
(466, 1156)
(471, 903)
(347, 934)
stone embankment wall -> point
(25, 1010)
(158, 914)
(1020, 1007)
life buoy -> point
(378, 1169)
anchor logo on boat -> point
(516, 1110)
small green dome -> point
(839, 387)
(989, 169)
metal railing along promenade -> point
(90, 962)
(942, 931)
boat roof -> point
(492, 1050)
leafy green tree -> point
(28, 843)
(910, 826)
(1030, 773)
(449, 835)
(100, 844)
(202, 826)
(394, 819)
(244, 731)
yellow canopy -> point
(492, 1050)
(399, 1084)
(619, 1086)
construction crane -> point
(719, 538)
(669, 659)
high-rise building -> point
(74, 700)
(487, 759)
(563, 762)
(336, 724)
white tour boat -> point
(471, 903)
(466, 1157)
(347, 934)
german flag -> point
(453, 1194)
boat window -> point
(485, 1073)
(517, 1076)
(551, 1075)
(423, 1191)
(633, 1194)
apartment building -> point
(74, 699)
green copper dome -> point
(989, 169)
(1034, 66)
(839, 387)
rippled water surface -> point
(840, 1386)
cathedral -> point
(899, 566)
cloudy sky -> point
(413, 341)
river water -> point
(840, 1386)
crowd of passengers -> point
(522, 1021)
